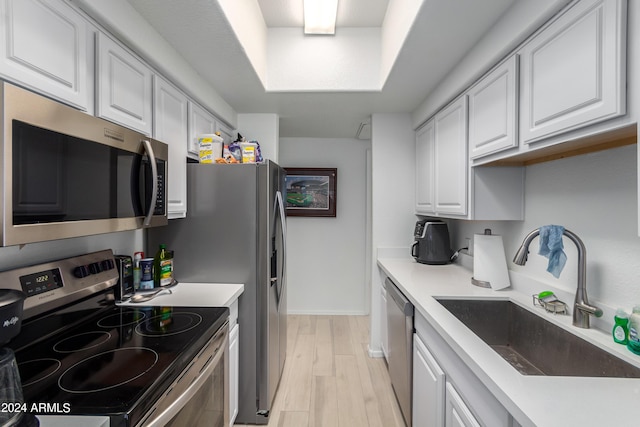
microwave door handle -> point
(154, 174)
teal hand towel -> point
(551, 247)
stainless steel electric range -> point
(81, 355)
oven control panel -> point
(40, 282)
(57, 283)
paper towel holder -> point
(482, 283)
(487, 282)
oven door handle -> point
(154, 175)
(172, 409)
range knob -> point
(95, 268)
(107, 264)
(81, 271)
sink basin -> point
(533, 345)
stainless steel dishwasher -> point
(400, 357)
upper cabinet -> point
(573, 71)
(200, 122)
(171, 126)
(450, 158)
(43, 45)
(124, 86)
(425, 139)
(493, 118)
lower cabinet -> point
(457, 414)
(446, 392)
(234, 360)
(428, 387)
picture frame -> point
(311, 192)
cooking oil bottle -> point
(162, 267)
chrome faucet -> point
(581, 307)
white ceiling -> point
(443, 32)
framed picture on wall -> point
(311, 192)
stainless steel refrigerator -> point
(234, 232)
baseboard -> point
(327, 313)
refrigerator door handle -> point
(278, 279)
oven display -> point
(44, 281)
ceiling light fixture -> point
(320, 16)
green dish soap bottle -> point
(162, 268)
(633, 343)
(621, 327)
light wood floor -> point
(329, 380)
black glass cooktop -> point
(111, 360)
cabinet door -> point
(573, 72)
(425, 138)
(170, 127)
(234, 372)
(457, 414)
(492, 111)
(450, 157)
(225, 132)
(428, 387)
(43, 45)
(124, 87)
(200, 122)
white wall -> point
(326, 256)
(596, 197)
(393, 177)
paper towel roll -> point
(489, 261)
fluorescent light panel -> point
(320, 16)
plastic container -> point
(162, 268)
(210, 147)
(633, 337)
(621, 326)
(146, 273)
(248, 152)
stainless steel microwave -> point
(68, 174)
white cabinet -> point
(446, 186)
(200, 122)
(428, 387)
(457, 414)
(43, 45)
(573, 72)
(170, 127)
(493, 111)
(450, 158)
(124, 86)
(234, 372)
(225, 132)
(425, 137)
(446, 390)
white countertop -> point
(532, 400)
(196, 295)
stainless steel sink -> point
(533, 345)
